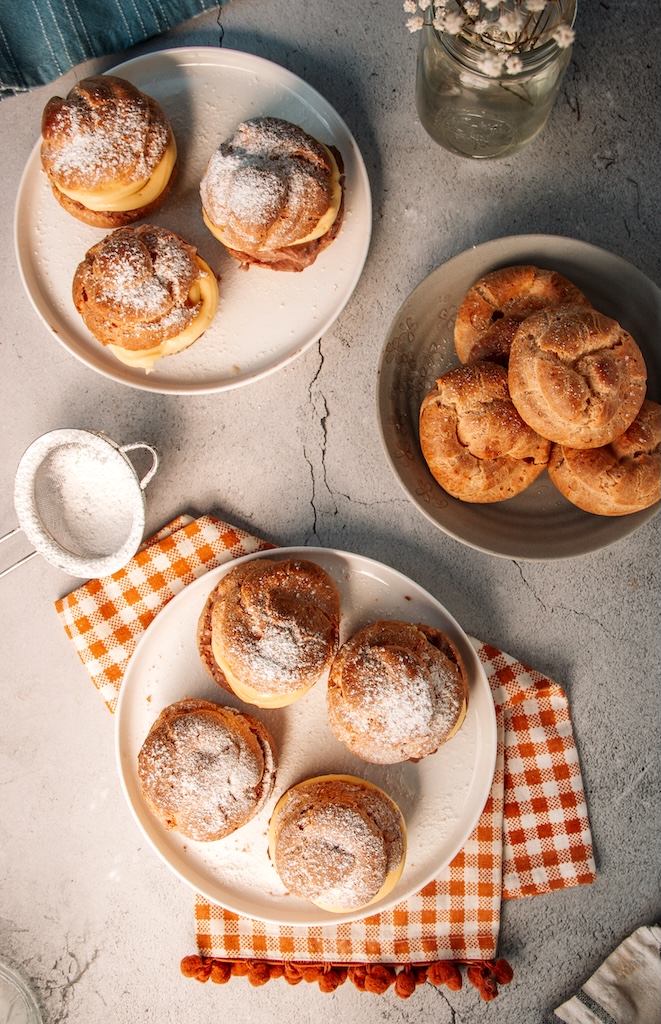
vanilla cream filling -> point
(249, 694)
(323, 225)
(204, 291)
(120, 197)
(391, 878)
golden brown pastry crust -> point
(396, 692)
(494, 307)
(474, 441)
(576, 376)
(274, 625)
(619, 478)
(267, 186)
(104, 132)
(133, 287)
(335, 839)
(206, 770)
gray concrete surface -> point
(88, 913)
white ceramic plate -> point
(265, 318)
(539, 524)
(442, 796)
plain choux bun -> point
(619, 478)
(477, 446)
(338, 842)
(206, 770)
(108, 151)
(146, 293)
(273, 194)
(270, 630)
(396, 692)
(493, 308)
(576, 376)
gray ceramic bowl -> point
(539, 524)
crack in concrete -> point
(564, 608)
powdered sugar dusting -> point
(199, 775)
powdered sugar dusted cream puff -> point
(273, 195)
(396, 692)
(270, 629)
(206, 770)
(337, 841)
(145, 293)
(109, 152)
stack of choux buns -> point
(545, 382)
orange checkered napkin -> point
(533, 835)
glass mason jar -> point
(475, 115)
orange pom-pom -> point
(240, 968)
(221, 972)
(277, 970)
(502, 972)
(405, 984)
(259, 973)
(312, 972)
(378, 978)
(195, 967)
(444, 972)
(357, 975)
(292, 974)
(332, 979)
(481, 977)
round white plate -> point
(539, 524)
(441, 797)
(265, 318)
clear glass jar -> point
(473, 114)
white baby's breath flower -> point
(490, 5)
(424, 4)
(453, 24)
(510, 21)
(564, 36)
(491, 64)
(415, 22)
(481, 26)
(513, 64)
(535, 6)
(472, 8)
(410, 6)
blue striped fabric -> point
(42, 39)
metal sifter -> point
(80, 501)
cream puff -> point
(338, 842)
(493, 308)
(270, 630)
(273, 195)
(109, 152)
(575, 376)
(145, 293)
(206, 770)
(396, 692)
(619, 478)
(475, 443)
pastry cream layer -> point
(252, 696)
(118, 197)
(323, 225)
(391, 878)
(204, 291)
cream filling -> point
(323, 225)
(118, 197)
(249, 694)
(391, 878)
(204, 291)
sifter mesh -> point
(80, 501)
(83, 499)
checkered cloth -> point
(533, 835)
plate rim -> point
(488, 724)
(520, 241)
(219, 58)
